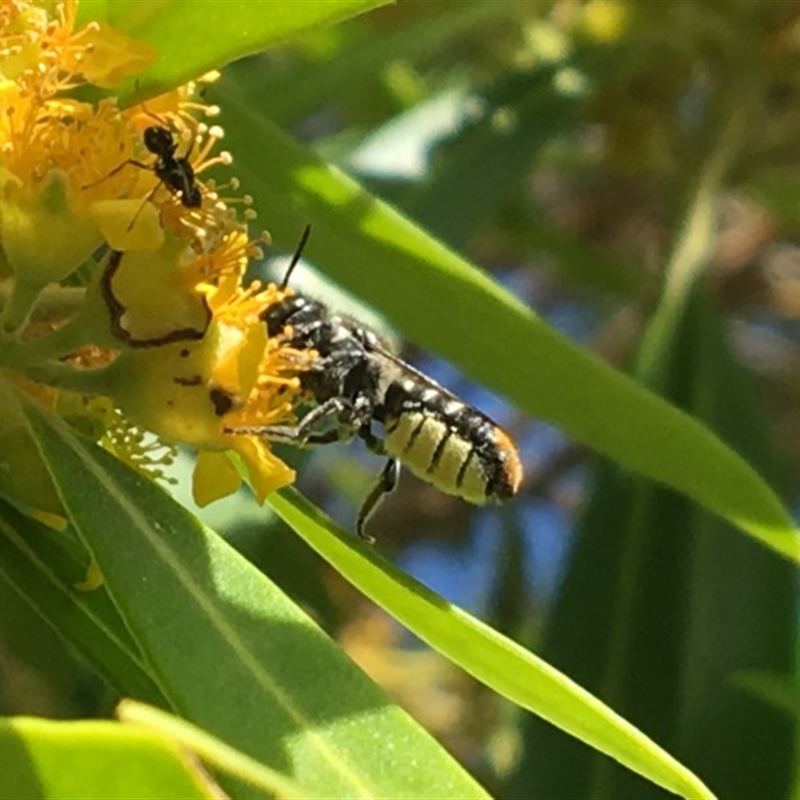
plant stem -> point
(55, 303)
(71, 378)
(16, 312)
(694, 240)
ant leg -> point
(132, 161)
(188, 154)
(387, 480)
(146, 200)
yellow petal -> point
(266, 471)
(214, 477)
(152, 298)
(110, 56)
(238, 363)
(43, 239)
(163, 389)
(250, 357)
(53, 521)
(92, 580)
(128, 224)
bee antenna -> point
(297, 254)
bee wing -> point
(425, 380)
(405, 367)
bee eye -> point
(278, 316)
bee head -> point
(278, 315)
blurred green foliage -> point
(637, 161)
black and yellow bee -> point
(356, 382)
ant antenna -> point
(296, 257)
(144, 107)
(149, 113)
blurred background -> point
(557, 145)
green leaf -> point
(438, 299)
(211, 750)
(87, 760)
(490, 657)
(193, 38)
(579, 262)
(661, 608)
(41, 669)
(779, 194)
(486, 158)
(301, 87)
(45, 568)
(227, 648)
(780, 691)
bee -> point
(174, 172)
(356, 383)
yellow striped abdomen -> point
(476, 461)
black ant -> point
(174, 172)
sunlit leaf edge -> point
(219, 32)
(99, 742)
(486, 654)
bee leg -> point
(374, 443)
(326, 437)
(302, 434)
(387, 480)
(349, 425)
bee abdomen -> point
(449, 444)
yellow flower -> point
(152, 298)
(106, 57)
(156, 342)
(195, 392)
(605, 20)
(50, 143)
(43, 53)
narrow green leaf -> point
(211, 750)
(780, 691)
(726, 731)
(490, 657)
(45, 568)
(438, 299)
(193, 38)
(579, 262)
(41, 670)
(88, 760)
(780, 194)
(483, 161)
(228, 649)
(661, 608)
(301, 87)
